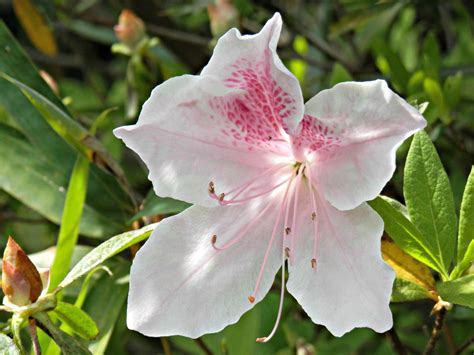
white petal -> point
(236, 55)
(180, 285)
(354, 130)
(185, 142)
(351, 284)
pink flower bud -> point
(130, 28)
(21, 282)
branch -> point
(203, 346)
(394, 340)
(464, 346)
(436, 332)
(34, 336)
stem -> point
(34, 336)
(166, 346)
(464, 346)
(394, 340)
(203, 346)
(436, 332)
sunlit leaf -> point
(77, 320)
(460, 291)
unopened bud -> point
(21, 282)
(222, 16)
(130, 28)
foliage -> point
(65, 175)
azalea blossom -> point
(273, 181)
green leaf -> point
(436, 96)
(106, 250)
(105, 303)
(7, 346)
(69, 230)
(460, 291)
(429, 199)
(77, 320)
(431, 56)
(405, 234)
(465, 254)
(38, 183)
(452, 89)
(17, 321)
(404, 290)
(154, 205)
(339, 74)
(68, 344)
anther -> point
(313, 216)
(221, 197)
(269, 138)
(261, 340)
(211, 188)
(251, 299)
(287, 252)
(288, 230)
(313, 263)
(214, 239)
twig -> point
(436, 332)
(178, 35)
(203, 346)
(34, 336)
(394, 340)
(166, 346)
(464, 346)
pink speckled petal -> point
(186, 139)
(350, 286)
(352, 132)
(180, 285)
(250, 63)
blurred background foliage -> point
(101, 77)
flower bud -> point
(222, 15)
(130, 28)
(21, 282)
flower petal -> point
(351, 285)
(250, 62)
(181, 285)
(186, 143)
(353, 131)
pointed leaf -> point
(466, 226)
(404, 291)
(106, 250)
(404, 233)
(460, 291)
(429, 199)
(77, 320)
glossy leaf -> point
(405, 234)
(7, 346)
(106, 250)
(77, 320)
(404, 291)
(68, 344)
(429, 199)
(406, 267)
(71, 217)
(460, 291)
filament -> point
(313, 218)
(295, 208)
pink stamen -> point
(222, 201)
(239, 189)
(294, 226)
(241, 234)
(285, 254)
(313, 218)
(270, 243)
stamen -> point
(288, 230)
(242, 234)
(272, 238)
(211, 188)
(221, 197)
(251, 299)
(295, 209)
(285, 252)
(313, 218)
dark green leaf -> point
(339, 74)
(404, 291)
(106, 250)
(429, 199)
(68, 344)
(154, 205)
(77, 320)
